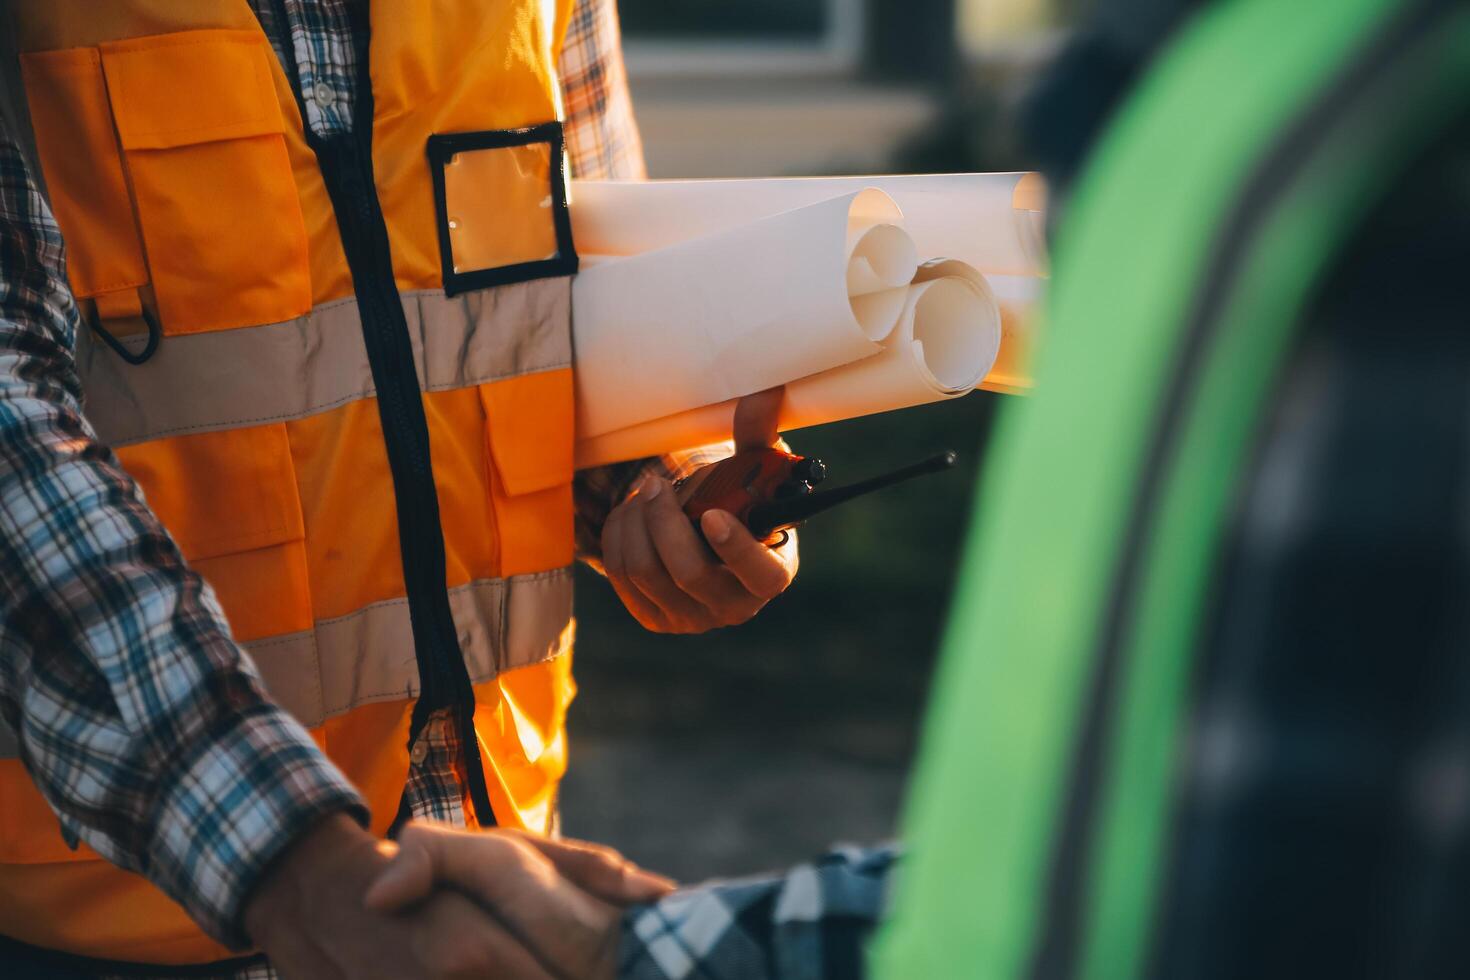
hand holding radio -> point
(676, 578)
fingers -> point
(459, 941)
(600, 871)
(409, 879)
(429, 855)
(763, 572)
(693, 569)
(671, 582)
(641, 569)
(757, 418)
(500, 870)
(502, 873)
(614, 563)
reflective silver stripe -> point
(289, 370)
(367, 656)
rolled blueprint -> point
(945, 340)
(993, 222)
(1019, 298)
(710, 319)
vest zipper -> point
(346, 164)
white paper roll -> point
(746, 308)
(1020, 300)
(990, 221)
(945, 342)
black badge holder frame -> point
(462, 205)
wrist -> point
(332, 851)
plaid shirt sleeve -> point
(142, 723)
(601, 135)
(602, 144)
(808, 923)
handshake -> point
(444, 903)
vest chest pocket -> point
(183, 168)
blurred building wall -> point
(876, 89)
(745, 100)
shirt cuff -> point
(810, 921)
(237, 802)
(676, 466)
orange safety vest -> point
(278, 428)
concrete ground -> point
(736, 752)
(725, 805)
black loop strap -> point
(155, 333)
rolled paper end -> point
(878, 313)
(868, 207)
(882, 264)
(942, 268)
(956, 332)
(884, 256)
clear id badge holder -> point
(500, 198)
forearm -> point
(812, 921)
(140, 721)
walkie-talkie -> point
(770, 491)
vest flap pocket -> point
(529, 420)
(220, 493)
(84, 170)
(202, 131)
(194, 87)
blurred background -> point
(755, 747)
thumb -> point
(757, 419)
(600, 871)
(408, 879)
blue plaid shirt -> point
(808, 923)
(143, 724)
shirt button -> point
(420, 752)
(323, 95)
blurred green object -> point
(1204, 219)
